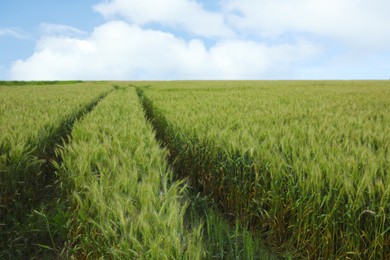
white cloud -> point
(358, 23)
(187, 15)
(245, 39)
(17, 33)
(117, 50)
(60, 30)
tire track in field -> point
(224, 236)
(62, 138)
(34, 224)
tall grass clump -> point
(33, 120)
(123, 200)
(303, 164)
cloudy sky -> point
(194, 39)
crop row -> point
(33, 120)
(123, 200)
(59, 219)
(304, 163)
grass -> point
(29, 83)
(304, 164)
(224, 236)
(34, 119)
(125, 203)
(219, 169)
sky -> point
(194, 39)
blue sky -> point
(188, 39)
(25, 17)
